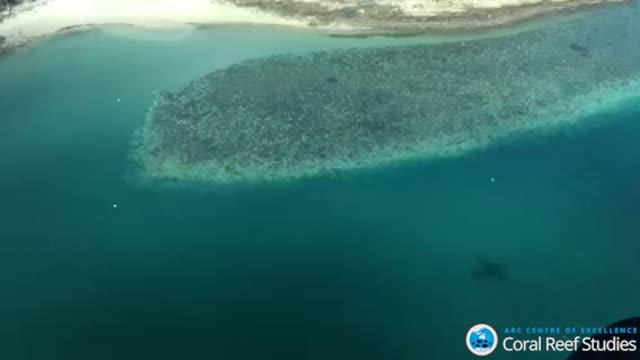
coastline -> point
(48, 17)
(42, 18)
(461, 16)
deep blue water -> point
(373, 265)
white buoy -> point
(493, 180)
(118, 100)
(115, 206)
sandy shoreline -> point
(406, 17)
(45, 17)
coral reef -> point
(289, 116)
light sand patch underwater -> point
(292, 116)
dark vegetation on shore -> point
(5, 8)
(5, 4)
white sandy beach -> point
(45, 17)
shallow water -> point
(376, 265)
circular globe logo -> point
(481, 340)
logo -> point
(481, 340)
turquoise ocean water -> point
(373, 265)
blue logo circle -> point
(482, 340)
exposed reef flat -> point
(415, 16)
(289, 116)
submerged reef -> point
(289, 116)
